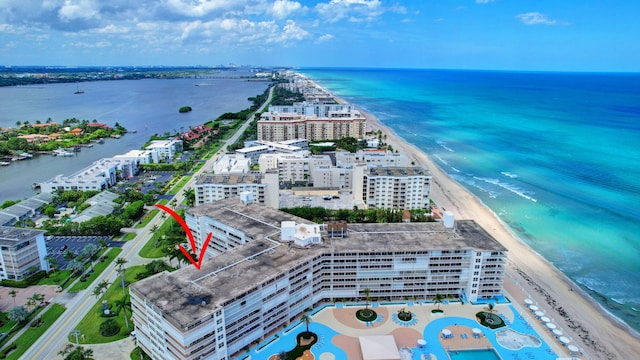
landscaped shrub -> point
(109, 328)
(7, 350)
(490, 320)
(32, 280)
(366, 315)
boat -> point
(78, 91)
(61, 152)
(101, 141)
(4, 163)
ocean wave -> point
(441, 160)
(514, 189)
(618, 301)
(508, 174)
(469, 181)
(444, 146)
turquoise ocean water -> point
(555, 155)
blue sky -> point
(579, 35)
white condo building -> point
(100, 175)
(263, 188)
(21, 251)
(338, 124)
(232, 164)
(311, 108)
(274, 266)
(395, 188)
(166, 149)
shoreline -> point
(600, 333)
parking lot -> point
(329, 199)
(58, 245)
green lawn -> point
(6, 323)
(145, 219)
(177, 187)
(129, 236)
(98, 268)
(33, 333)
(90, 324)
(55, 278)
(13, 330)
(149, 250)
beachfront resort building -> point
(338, 124)
(308, 108)
(266, 267)
(22, 252)
(394, 187)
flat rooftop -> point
(188, 295)
(229, 179)
(398, 171)
(11, 235)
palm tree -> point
(39, 298)
(122, 304)
(13, 294)
(306, 318)
(76, 265)
(190, 196)
(490, 308)
(101, 288)
(68, 255)
(73, 352)
(366, 292)
(51, 260)
(438, 299)
(120, 269)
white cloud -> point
(336, 10)
(283, 8)
(484, 1)
(325, 37)
(78, 10)
(199, 8)
(536, 18)
(291, 31)
(113, 29)
(82, 44)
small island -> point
(185, 109)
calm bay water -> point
(146, 106)
(555, 155)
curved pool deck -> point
(338, 331)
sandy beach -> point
(601, 335)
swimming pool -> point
(474, 355)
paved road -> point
(55, 338)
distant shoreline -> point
(591, 326)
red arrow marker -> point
(189, 236)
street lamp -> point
(76, 333)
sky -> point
(556, 35)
